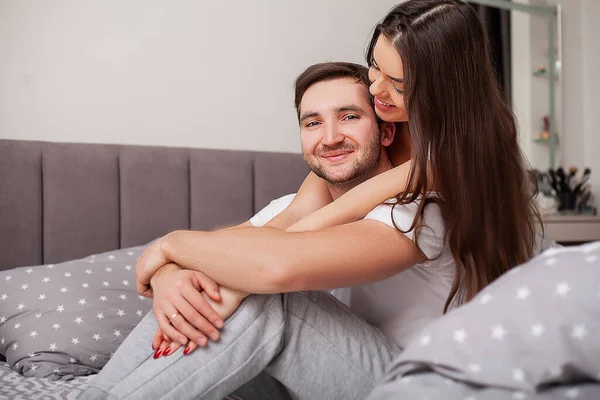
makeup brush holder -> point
(567, 201)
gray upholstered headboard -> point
(62, 201)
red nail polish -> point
(167, 351)
(157, 354)
(186, 350)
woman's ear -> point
(388, 132)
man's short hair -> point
(329, 71)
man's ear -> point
(388, 133)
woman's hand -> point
(230, 301)
(181, 308)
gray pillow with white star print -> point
(535, 326)
(63, 320)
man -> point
(308, 341)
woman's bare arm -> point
(312, 195)
(357, 202)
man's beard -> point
(360, 170)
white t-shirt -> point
(402, 305)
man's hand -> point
(151, 260)
(181, 308)
(231, 300)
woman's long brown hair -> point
(459, 119)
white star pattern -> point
(476, 368)
(15, 346)
(33, 334)
(38, 315)
(120, 313)
(60, 309)
(141, 297)
(85, 285)
(56, 371)
(139, 313)
(75, 340)
(106, 284)
(103, 298)
(91, 261)
(551, 261)
(563, 289)
(56, 326)
(93, 357)
(424, 339)
(486, 298)
(130, 253)
(518, 375)
(523, 293)
(537, 330)
(100, 315)
(32, 355)
(67, 274)
(24, 287)
(50, 266)
(123, 297)
(128, 267)
(79, 320)
(72, 361)
(498, 332)
(108, 269)
(88, 271)
(96, 337)
(82, 302)
(117, 333)
(8, 278)
(17, 325)
(21, 306)
(64, 290)
(125, 283)
(3, 319)
(34, 367)
(29, 270)
(42, 296)
(460, 335)
(4, 296)
(111, 257)
(579, 332)
(53, 346)
(46, 280)
(2, 341)
(572, 393)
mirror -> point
(530, 51)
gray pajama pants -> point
(309, 341)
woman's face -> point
(387, 82)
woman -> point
(469, 137)
(429, 65)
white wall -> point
(212, 74)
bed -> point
(83, 207)
(74, 217)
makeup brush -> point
(552, 179)
(572, 173)
(584, 178)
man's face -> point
(338, 131)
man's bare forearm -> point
(242, 259)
